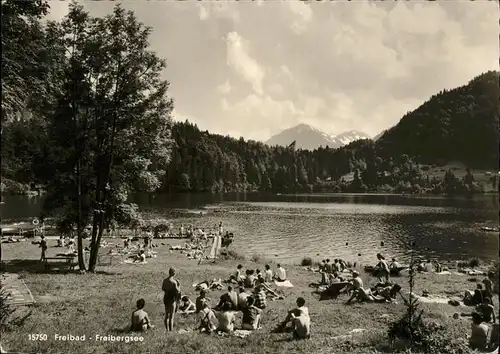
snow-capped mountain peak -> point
(310, 138)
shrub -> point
(417, 334)
(306, 262)
(255, 258)
(232, 255)
(474, 262)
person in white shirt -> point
(280, 273)
(268, 274)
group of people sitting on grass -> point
(251, 276)
(430, 266)
(484, 328)
(221, 318)
(330, 271)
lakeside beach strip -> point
(100, 304)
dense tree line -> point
(204, 162)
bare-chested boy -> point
(171, 297)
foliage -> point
(453, 125)
(414, 332)
(474, 262)
(306, 262)
(23, 57)
(12, 187)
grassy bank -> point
(101, 304)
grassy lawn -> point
(101, 304)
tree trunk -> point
(102, 188)
(95, 225)
(81, 259)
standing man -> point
(172, 294)
(43, 246)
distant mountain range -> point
(310, 138)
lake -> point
(352, 227)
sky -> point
(253, 69)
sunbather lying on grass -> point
(386, 294)
(186, 306)
(267, 289)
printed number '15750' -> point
(37, 336)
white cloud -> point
(302, 15)
(217, 9)
(225, 88)
(335, 65)
(242, 63)
(203, 12)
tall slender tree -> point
(120, 117)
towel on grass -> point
(430, 299)
(284, 284)
(241, 333)
(129, 261)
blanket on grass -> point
(284, 284)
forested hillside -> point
(456, 125)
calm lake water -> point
(290, 227)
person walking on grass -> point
(43, 246)
(172, 295)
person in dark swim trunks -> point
(171, 298)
